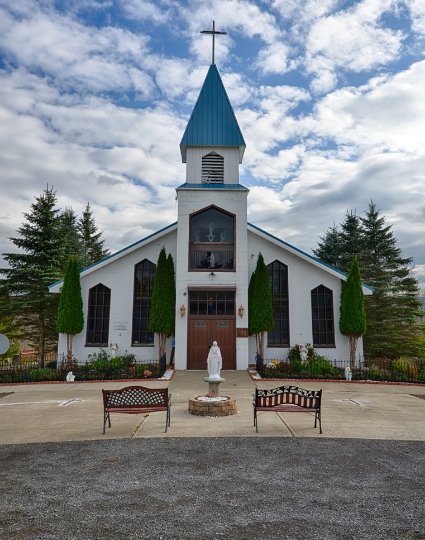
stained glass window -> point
(212, 242)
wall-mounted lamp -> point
(182, 311)
(211, 274)
(241, 310)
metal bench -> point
(288, 399)
(136, 400)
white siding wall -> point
(191, 201)
(118, 275)
(302, 278)
(194, 163)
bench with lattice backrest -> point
(288, 399)
(136, 400)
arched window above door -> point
(212, 240)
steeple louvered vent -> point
(212, 169)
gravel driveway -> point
(214, 488)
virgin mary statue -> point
(214, 361)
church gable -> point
(257, 234)
(131, 251)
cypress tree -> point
(393, 310)
(70, 312)
(261, 316)
(352, 321)
(162, 313)
(31, 271)
(92, 249)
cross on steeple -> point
(213, 32)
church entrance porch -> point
(211, 318)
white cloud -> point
(352, 41)
(301, 12)
(387, 114)
(273, 59)
(74, 55)
(417, 10)
(146, 10)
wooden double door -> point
(202, 333)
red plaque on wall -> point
(241, 332)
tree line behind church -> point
(46, 241)
(394, 310)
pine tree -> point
(261, 316)
(32, 270)
(352, 322)
(329, 249)
(394, 308)
(351, 241)
(73, 245)
(70, 312)
(162, 313)
(92, 247)
(339, 246)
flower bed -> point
(99, 366)
(312, 365)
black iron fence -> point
(97, 368)
(380, 369)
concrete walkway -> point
(74, 412)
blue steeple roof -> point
(213, 122)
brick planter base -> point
(212, 408)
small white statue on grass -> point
(70, 377)
(348, 373)
(214, 361)
(114, 349)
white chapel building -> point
(215, 252)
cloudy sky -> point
(95, 96)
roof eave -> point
(183, 150)
(309, 258)
(56, 287)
